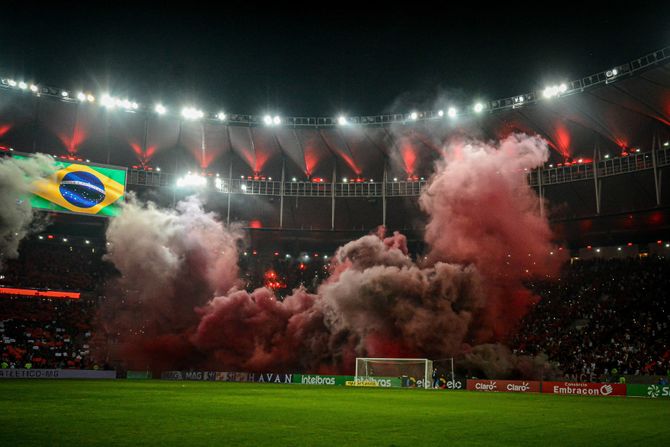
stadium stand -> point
(44, 333)
(603, 319)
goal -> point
(414, 372)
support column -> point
(145, 140)
(596, 181)
(540, 190)
(36, 123)
(657, 184)
(384, 176)
(230, 189)
(281, 193)
(332, 197)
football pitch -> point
(124, 412)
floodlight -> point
(452, 112)
(191, 113)
(479, 107)
(160, 109)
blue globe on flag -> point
(82, 189)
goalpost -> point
(418, 372)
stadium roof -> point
(614, 113)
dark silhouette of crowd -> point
(603, 319)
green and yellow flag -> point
(80, 188)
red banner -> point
(13, 291)
(504, 386)
(584, 388)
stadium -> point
(480, 271)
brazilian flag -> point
(80, 188)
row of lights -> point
(192, 113)
(303, 257)
(191, 180)
(52, 237)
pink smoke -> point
(179, 305)
(483, 212)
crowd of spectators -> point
(36, 332)
(55, 264)
(46, 333)
(603, 319)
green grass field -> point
(73, 413)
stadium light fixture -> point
(479, 107)
(267, 119)
(90, 98)
(33, 88)
(440, 113)
(243, 187)
(342, 120)
(12, 83)
(554, 90)
(191, 181)
(413, 116)
(160, 109)
(452, 112)
(23, 85)
(64, 94)
(276, 120)
(191, 113)
(81, 96)
(107, 101)
(221, 116)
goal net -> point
(412, 372)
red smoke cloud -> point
(181, 307)
(482, 212)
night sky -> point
(340, 61)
